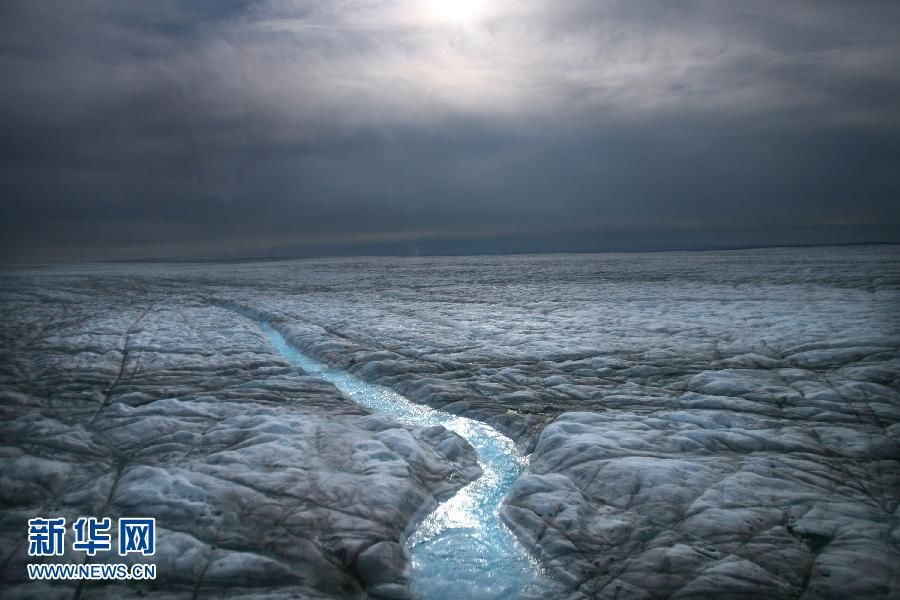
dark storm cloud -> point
(230, 128)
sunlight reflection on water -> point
(462, 549)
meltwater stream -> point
(462, 549)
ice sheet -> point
(721, 422)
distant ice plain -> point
(717, 423)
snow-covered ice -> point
(719, 423)
(263, 480)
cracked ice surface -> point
(122, 398)
(702, 423)
(725, 423)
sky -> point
(217, 128)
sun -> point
(456, 11)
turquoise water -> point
(462, 549)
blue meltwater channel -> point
(462, 549)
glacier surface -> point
(717, 423)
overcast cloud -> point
(212, 128)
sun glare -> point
(456, 11)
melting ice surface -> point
(462, 549)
